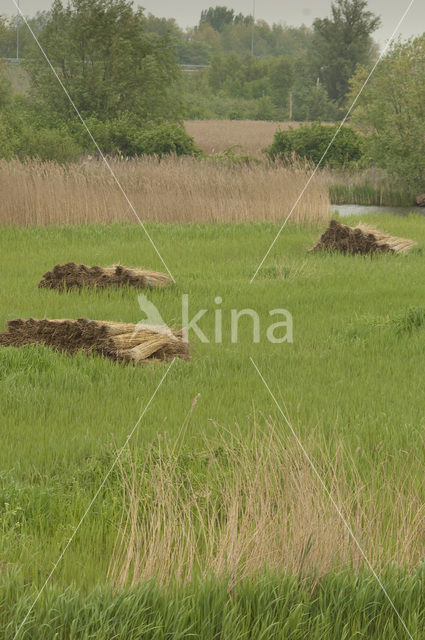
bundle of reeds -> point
(71, 275)
(116, 340)
(362, 239)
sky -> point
(187, 12)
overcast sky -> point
(187, 12)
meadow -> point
(213, 524)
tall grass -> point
(168, 190)
(337, 606)
(254, 504)
(370, 187)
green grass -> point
(351, 375)
(339, 606)
(369, 194)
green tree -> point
(281, 76)
(391, 110)
(8, 34)
(5, 87)
(342, 43)
(108, 62)
(217, 17)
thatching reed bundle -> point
(76, 276)
(117, 340)
(362, 239)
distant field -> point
(247, 136)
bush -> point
(166, 138)
(21, 139)
(124, 136)
(311, 142)
(25, 135)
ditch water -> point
(356, 209)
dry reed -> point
(171, 190)
(71, 275)
(362, 239)
(257, 505)
(116, 340)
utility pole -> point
(290, 105)
(253, 27)
(18, 18)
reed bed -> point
(368, 187)
(168, 190)
(255, 506)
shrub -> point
(25, 135)
(311, 142)
(21, 139)
(124, 136)
(166, 138)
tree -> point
(342, 43)
(108, 62)
(217, 17)
(391, 110)
(5, 87)
(281, 77)
(8, 34)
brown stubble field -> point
(245, 136)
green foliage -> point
(406, 322)
(339, 605)
(391, 109)
(108, 62)
(342, 43)
(365, 192)
(231, 158)
(312, 141)
(5, 89)
(237, 87)
(8, 34)
(23, 137)
(127, 137)
(221, 17)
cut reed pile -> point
(76, 276)
(249, 505)
(362, 239)
(171, 190)
(116, 340)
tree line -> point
(121, 68)
(255, 70)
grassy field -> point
(351, 384)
